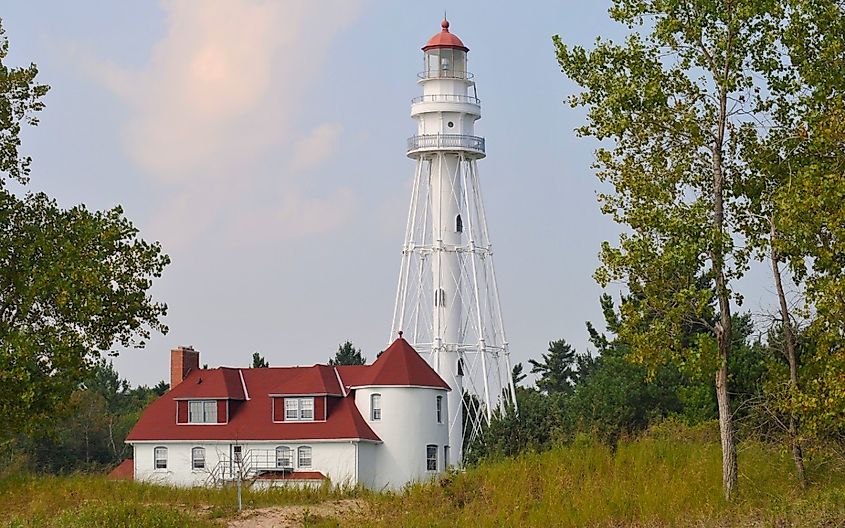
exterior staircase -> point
(248, 467)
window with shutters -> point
(202, 411)
(299, 409)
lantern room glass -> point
(446, 62)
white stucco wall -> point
(336, 460)
(408, 424)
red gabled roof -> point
(319, 379)
(253, 419)
(250, 402)
(123, 471)
(400, 364)
(222, 383)
(444, 39)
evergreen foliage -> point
(258, 361)
(347, 354)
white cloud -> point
(315, 148)
(219, 98)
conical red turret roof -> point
(400, 364)
(444, 39)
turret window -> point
(431, 458)
(375, 407)
(439, 409)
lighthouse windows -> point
(459, 224)
(440, 297)
(446, 62)
(450, 124)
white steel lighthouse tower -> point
(447, 303)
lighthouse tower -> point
(447, 303)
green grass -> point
(647, 482)
(91, 500)
(664, 479)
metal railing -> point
(444, 74)
(445, 98)
(250, 465)
(446, 141)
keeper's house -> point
(381, 425)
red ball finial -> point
(445, 25)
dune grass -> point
(648, 482)
(654, 481)
(91, 500)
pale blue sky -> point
(263, 144)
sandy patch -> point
(295, 516)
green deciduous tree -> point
(667, 104)
(20, 99)
(74, 283)
(347, 354)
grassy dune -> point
(653, 481)
(649, 482)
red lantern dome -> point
(444, 39)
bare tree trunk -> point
(723, 330)
(726, 431)
(791, 358)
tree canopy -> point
(74, 283)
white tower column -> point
(447, 303)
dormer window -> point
(299, 409)
(202, 411)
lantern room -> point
(445, 55)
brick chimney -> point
(183, 359)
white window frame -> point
(439, 409)
(280, 457)
(291, 409)
(156, 458)
(431, 457)
(195, 458)
(306, 409)
(205, 413)
(299, 409)
(375, 407)
(301, 460)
